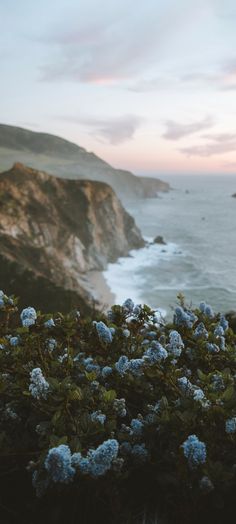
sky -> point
(148, 85)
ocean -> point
(197, 219)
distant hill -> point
(67, 160)
(54, 232)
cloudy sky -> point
(149, 85)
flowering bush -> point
(125, 407)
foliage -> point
(124, 404)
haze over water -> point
(197, 220)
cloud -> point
(108, 43)
(217, 145)
(176, 130)
(113, 130)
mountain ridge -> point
(66, 159)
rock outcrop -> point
(53, 232)
(67, 160)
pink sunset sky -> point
(148, 86)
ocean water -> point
(198, 222)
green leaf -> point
(109, 395)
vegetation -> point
(102, 418)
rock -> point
(159, 240)
(234, 195)
(53, 232)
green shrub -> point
(125, 409)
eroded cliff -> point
(54, 231)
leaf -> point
(75, 394)
(228, 394)
(109, 395)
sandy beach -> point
(100, 290)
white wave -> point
(126, 277)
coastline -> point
(100, 290)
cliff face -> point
(67, 160)
(54, 231)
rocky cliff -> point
(53, 232)
(67, 160)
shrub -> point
(146, 416)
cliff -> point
(54, 231)
(67, 160)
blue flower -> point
(126, 333)
(136, 366)
(212, 348)
(120, 407)
(98, 416)
(39, 386)
(201, 331)
(28, 316)
(184, 318)
(14, 341)
(103, 332)
(224, 323)
(219, 331)
(206, 310)
(139, 453)
(217, 382)
(100, 459)
(128, 305)
(176, 344)
(195, 451)
(136, 426)
(106, 371)
(49, 323)
(2, 301)
(122, 366)
(51, 344)
(155, 353)
(230, 425)
(58, 464)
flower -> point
(103, 332)
(136, 426)
(201, 331)
(39, 386)
(51, 344)
(195, 451)
(176, 344)
(126, 333)
(155, 353)
(206, 310)
(230, 425)
(120, 407)
(136, 366)
(122, 365)
(139, 453)
(128, 305)
(14, 341)
(106, 371)
(58, 464)
(28, 316)
(49, 323)
(212, 348)
(100, 459)
(98, 416)
(224, 323)
(206, 485)
(184, 318)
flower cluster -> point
(28, 316)
(38, 385)
(195, 451)
(119, 398)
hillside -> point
(53, 232)
(67, 160)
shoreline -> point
(100, 290)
